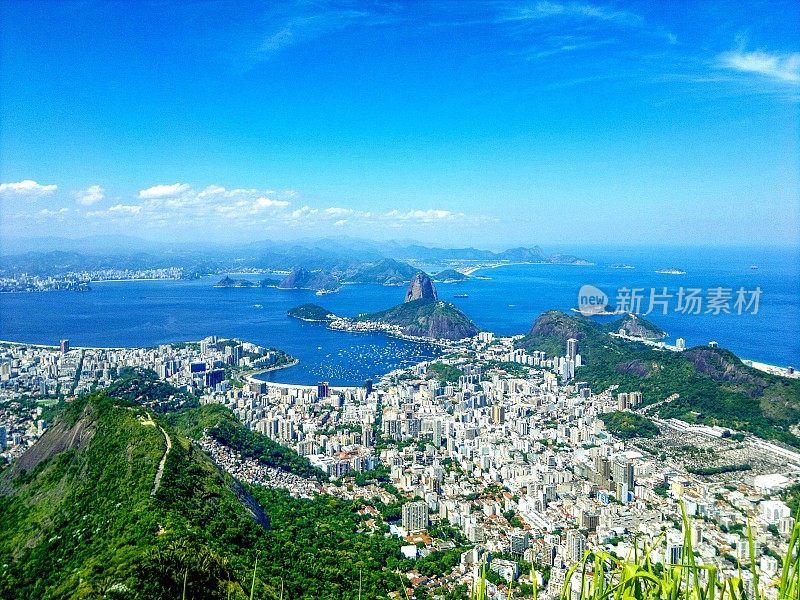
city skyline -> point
(503, 123)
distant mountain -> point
(229, 282)
(456, 255)
(714, 386)
(450, 276)
(420, 288)
(386, 271)
(348, 259)
(302, 279)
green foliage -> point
(316, 549)
(512, 368)
(792, 498)
(661, 490)
(222, 425)
(84, 519)
(142, 386)
(707, 471)
(627, 425)
(83, 523)
(443, 372)
(439, 562)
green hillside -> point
(80, 519)
(714, 386)
(427, 318)
(222, 425)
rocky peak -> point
(420, 287)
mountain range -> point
(349, 259)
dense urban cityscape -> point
(509, 452)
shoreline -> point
(471, 270)
(131, 279)
(295, 361)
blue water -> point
(148, 313)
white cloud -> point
(52, 213)
(572, 10)
(91, 195)
(125, 209)
(335, 211)
(776, 66)
(212, 190)
(425, 216)
(27, 187)
(270, 203)
(305, 211)
(163, 191)
(340, 222)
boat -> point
(460, 295)
(754, 267)
(671, 271)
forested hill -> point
(79, 516)
(714, 386)
(84, 515)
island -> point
(229, 282)
(311, 312)
(301, 278)
(421, 316)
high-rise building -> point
(498, 414)
(572, 348)
(368, 386)
(437, 434)
(323, 389)
(680, 344)
(415, 516)
(576, 545)
(3, 438)
(519, 542)
(64, 346)
(674, 552)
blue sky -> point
(459, 123)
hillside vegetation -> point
(80, 518)
(426, 318)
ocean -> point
(146, 313)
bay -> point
(146, 313)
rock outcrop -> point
(421, 288)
